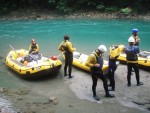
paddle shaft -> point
(60, 54)
(12, 48)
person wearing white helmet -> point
(34, 47)
(132, 61)
(135, 36)
(95, 62)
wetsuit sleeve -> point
(90, 61)
(137, 50)
(69, 46)
(60, 47)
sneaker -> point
(112, 89)
(129, 84)
(140, 83)
(96, 98)
(65, 75)
(110, 95)
(70, 77)
(109, 85)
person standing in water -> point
(95, 62)
(67, 49)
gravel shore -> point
(63, 95)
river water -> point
(86, 36)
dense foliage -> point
(66, 6)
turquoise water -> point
(86, 35)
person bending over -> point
(95, 62)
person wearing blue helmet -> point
(135, 36)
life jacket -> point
(65, 48)
(33, 46)
(99, 61)
(131, 53)
(136, 38)
(115, 51)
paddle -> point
(60, 54)
(12, 48)
(56, 57)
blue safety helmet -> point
(135, 30)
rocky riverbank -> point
(63, 95)
(46, 14)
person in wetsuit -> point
(67, 49)
(34, 47)
(114, 53)
(95, 62)
(132, 61)
(135, 36)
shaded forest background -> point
(68, 6)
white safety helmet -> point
(102, 48)
(131, 39)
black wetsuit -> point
(131, 52)
(68, 62)
(136, 69)
(111, 72)
(96, 73)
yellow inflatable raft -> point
(80, 59)
(143, 59)
(37, 66)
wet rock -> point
(4, 90)
(20, 99)
(32, 109)
(22, 91)
(71, 105)
(53, 100)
